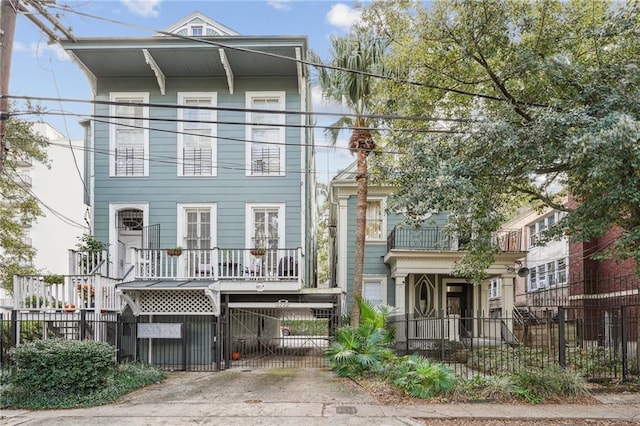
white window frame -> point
(249, 221)
(383, 223)
(185, 96)
(542, 224)
(494, 288)
(281, 118)
(121, 97)
(377, 279)
(181, 217)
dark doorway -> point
(460, 302)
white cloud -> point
(144, 8)
(19, 47)
(343, 16)
(41, 50)
(280, 4)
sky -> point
(40, 69)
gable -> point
(197, 24)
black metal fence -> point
(600, 344)
(258, 338)
(281, 337)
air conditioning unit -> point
(542, 282)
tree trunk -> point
(361, 224)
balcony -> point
(434, 238)
(256, 264)
(75, 293)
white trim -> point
(281, 119)
(116, 97)
(378, 279)
(180, 221)
(289, 305)
(341, 238)
(249, 221)
(213, 98)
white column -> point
(508, 282)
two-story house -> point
(411, 269)
(201, 182)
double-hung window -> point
(196, 134)
(375, 227)
(129, 137)
(374, 289)
(265, 133)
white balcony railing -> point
(76, 292)
(219, 264)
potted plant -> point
(177, 251)
(258, 251)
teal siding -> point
(230, 189)
(375, 251)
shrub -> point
(535, 385)
(362, 349)
(418, 377)
(60, 366)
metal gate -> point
(280, 337)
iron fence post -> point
(624, 339)
(15, 337)
(83, 324)
(406, 333)
(561, 338)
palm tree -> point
(362, 53)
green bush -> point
(60, 366)
(535, 385)
(419, 377)
(127, 377)
(365, 348)
(300, 327)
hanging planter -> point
(174, 251)
(258, 251)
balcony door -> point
(196, 235)
(265, 236)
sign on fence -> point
(159, 330)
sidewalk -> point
(306, 397)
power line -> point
(301, 61)
(245, 110)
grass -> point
(128, 377)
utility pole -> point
(7, 29)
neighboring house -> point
(59, 191)
(543, 283)
(201, 177)
(411, 268)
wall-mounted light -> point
(521, 271)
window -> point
(196, 232)
(265, 227)
(374, 289)
(551, 273)
(533, 279)
(548, 274)
(540, 225)
(129, 140)
(196, 135)
(374, 229)
(265, 156)
(494, 290)
(196, 30)
(562, 271)
(197, 228)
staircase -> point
(523, 315)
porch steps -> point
(523, 315)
